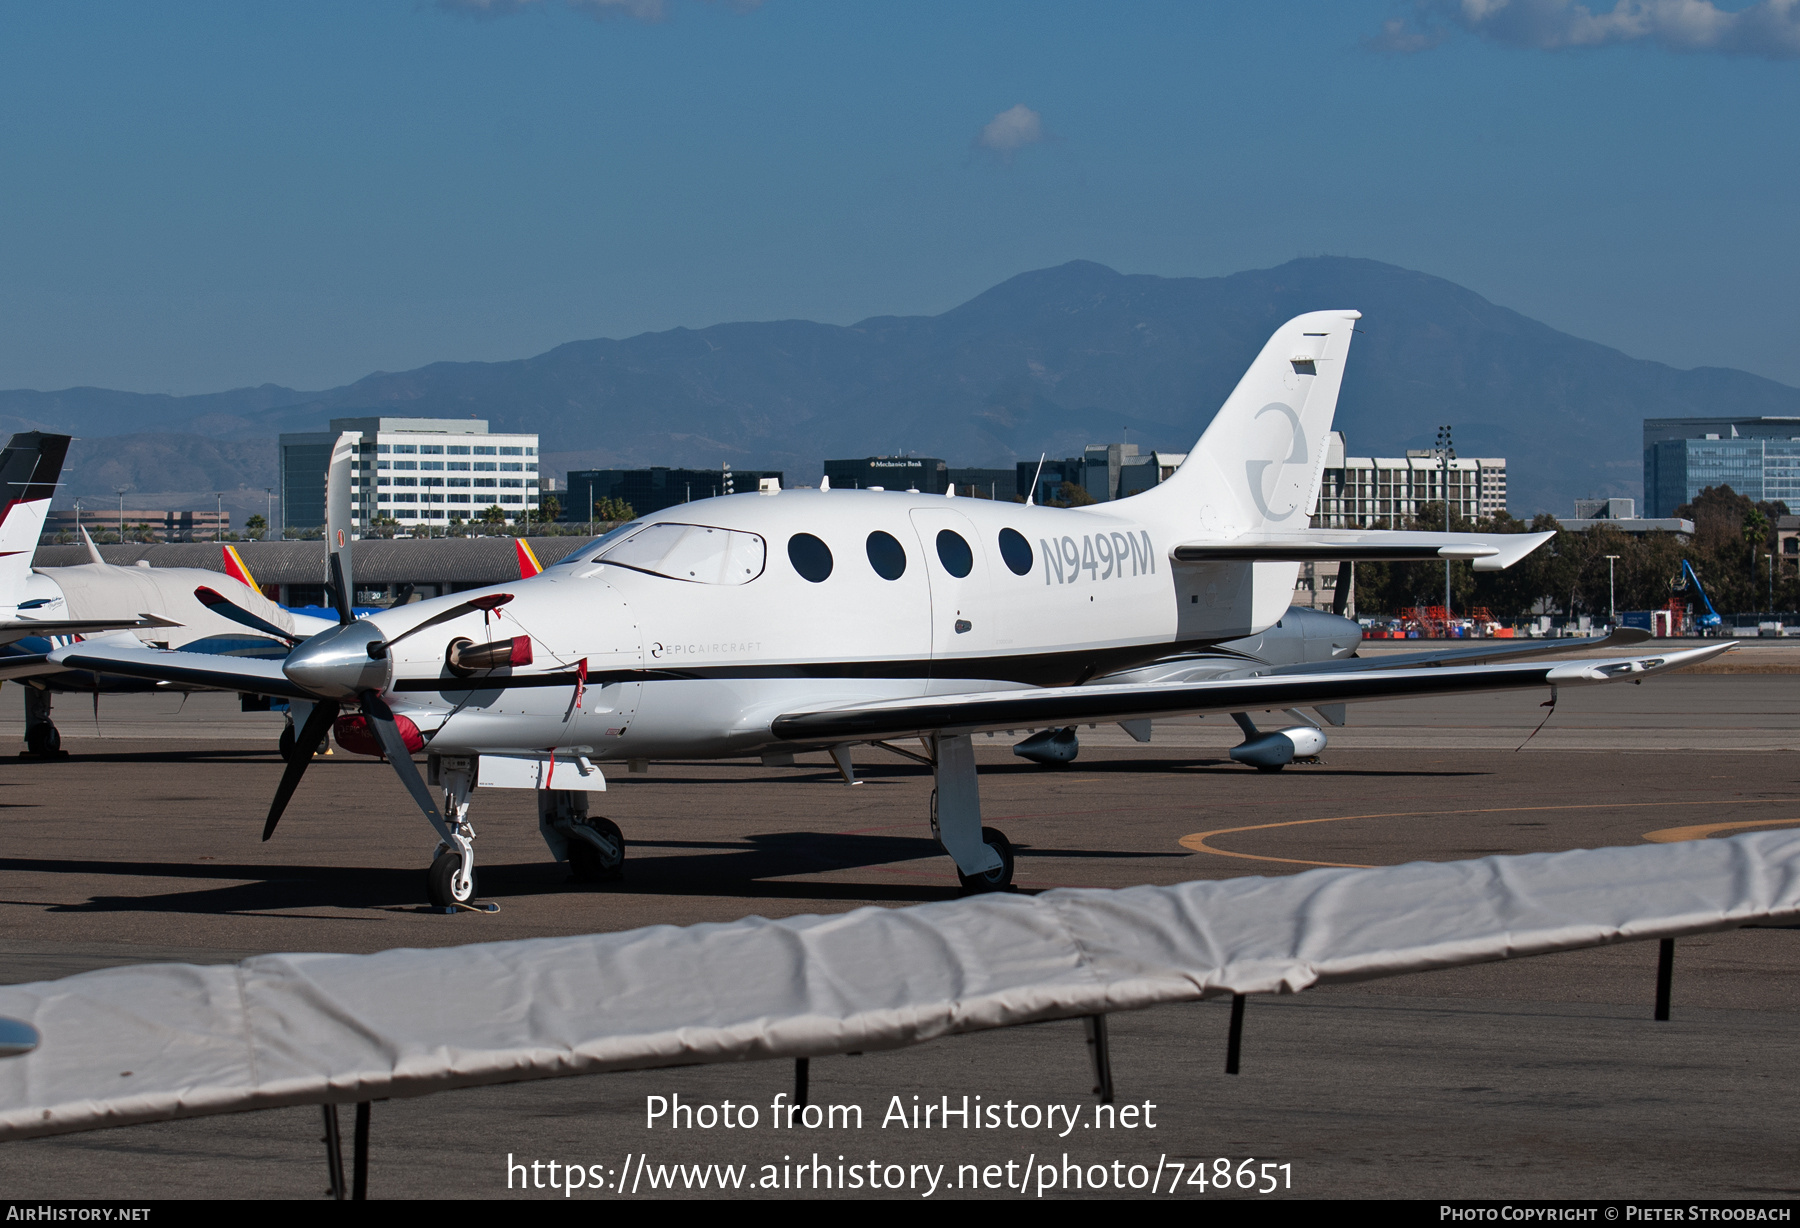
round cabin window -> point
(1016, 551)
(810, 557)
(886, 555)
(954, 553)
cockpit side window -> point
(700, 554)
(591, 551)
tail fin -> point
(1259, 464)
(29, 467)
(95, 559)
(528, 560)
(236, 568)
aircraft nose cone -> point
(337, 665)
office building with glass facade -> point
(414, 471)
(1756, 457)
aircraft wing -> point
(1490, 551)
(1049, 707)
(14, 629)
(1481, 652)
(26, 665)
(254, 675)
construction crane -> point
(1709, 620)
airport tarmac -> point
(1532, 1079)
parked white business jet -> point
(784, 621)
(169, 607)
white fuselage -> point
(702, 665)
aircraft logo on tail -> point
(1256, 469)
(528, 562)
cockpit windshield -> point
(591, 551)
(697, 553)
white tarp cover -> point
(151, 1042)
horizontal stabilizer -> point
(1489, 551)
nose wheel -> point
(445, 883)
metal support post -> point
(1102, 1055)
(1234, 1041)
(359, 1152)
(1665, 976)
(802, 1074)
(334, 1153)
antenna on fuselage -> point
(1031, 495)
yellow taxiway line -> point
(1673, 835)
(1198, 840)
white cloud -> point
(1766, 28)
(1010, 131)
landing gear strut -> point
(41, 736)
(451, 879)
(984, 858)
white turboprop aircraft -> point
(790, 621)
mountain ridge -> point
(1047, 360)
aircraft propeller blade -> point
(305, 744)
(381, 720)
(223, 606)
(338, 526)
(492, 601)
(340, 597)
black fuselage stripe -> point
(1036, 669)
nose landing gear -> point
(451, 879)
(446, 885)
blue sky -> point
(201, 196)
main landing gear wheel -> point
(42, 740)
(441, 881)
(599, 857)
(993, 880)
